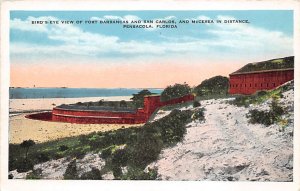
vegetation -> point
(266, 117)
(63, 148)
(35, 174)
(22, 163)
(94, 174)
(71, 171)
(103, 104)
(196, 104)
(133, 148)
(175, 91)
(135, 173)
(217, 85)
(281, 63)
(27, 144)
(199, 115)
(138, 99)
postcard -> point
(124, 95)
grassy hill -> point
(278, 63)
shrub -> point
(94, 174)
(79, 153)
(35, 174)
(83, 139)
(175, 91)
(63, 148)
(135, 173)
(261, 117)
(172, 127)
(100, 102)
(241, 100)
(71, 171)
(266, 117)
(27, 144)
(43, 157)
(276, 109)
(196, 104)
(150, 139)
(106, 152)
(147, 147)
(198, 114)
(117, 171)
(24, 166)
(138, 99)
(217, 85)
(58, 156)
(120, 157)
(97, 143)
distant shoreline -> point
(38, 104)
(43, 93)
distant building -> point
(259, 76)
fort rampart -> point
(85, 116)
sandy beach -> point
(30, 105)
(21, 128)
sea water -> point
(32, 93)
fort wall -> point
(251, 82)
(141, 115)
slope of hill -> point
(226, 147)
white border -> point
(46, 185)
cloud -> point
(233, 40)
(248, 38)
(28, 26)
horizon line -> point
(65, 87)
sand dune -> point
(226, 147)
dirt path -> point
(227, 147)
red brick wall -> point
(151, 103)
(253, 82)
(183, 99)
(94, 119)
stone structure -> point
(250, 79)
(141, 115)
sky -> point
(110, 56)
